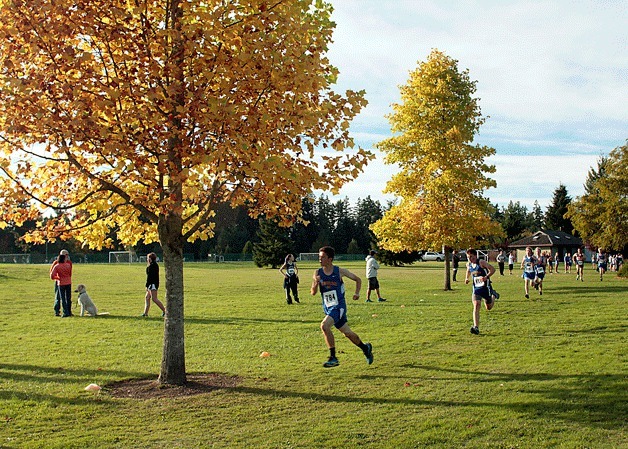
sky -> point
(552, 79)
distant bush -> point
(623, 273)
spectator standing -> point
(57, 303)
(455, 261)
(61, 273)
(501, 260)
(511, 261)
(371, 274)
(291, 278)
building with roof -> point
(549, 241)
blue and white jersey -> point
(529, 270)
(541, 263)
(477, 274)
(332, 290)
(601, 259)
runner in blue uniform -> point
(539, 270)
(529, 272)
(329, 279)
(480, 272)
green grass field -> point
(549, 372)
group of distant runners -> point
(328, 279)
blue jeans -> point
(57, 305)
(64, 296)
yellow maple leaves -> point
(443, 175)
(139, 114)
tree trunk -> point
(170, 225)
(173, 359)
(447, 252)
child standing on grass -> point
(152, 284)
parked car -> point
(430, 256)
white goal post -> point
(122, 257)
(15, 258)
(308, 256)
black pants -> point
(290, 285)
(501, 267)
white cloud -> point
(552, 76)
(523, 179)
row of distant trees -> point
(343, 225)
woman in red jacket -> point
(62, 274)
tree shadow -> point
(33, 374)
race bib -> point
(540, 270)
(528, 268)
(478, 281)
(290, 271)
(330, 298)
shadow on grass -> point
(590, 399)
(588, 288)
(33, 374)
(221, 320)
(594, 400)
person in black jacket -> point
(152, 284)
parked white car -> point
(430, 256)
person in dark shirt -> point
(152, 284)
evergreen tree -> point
(515, 220)
(367, 212)
(536, 217)
(344, 226)
(353, 247)
(273, 245)
(304, 233)
(555, 214)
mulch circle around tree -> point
(200, 383)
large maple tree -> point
(442, 174)
(140, 116)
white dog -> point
(86, 303)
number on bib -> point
(478, 281)
(528, 268)
(540, 269)
(330, 298)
